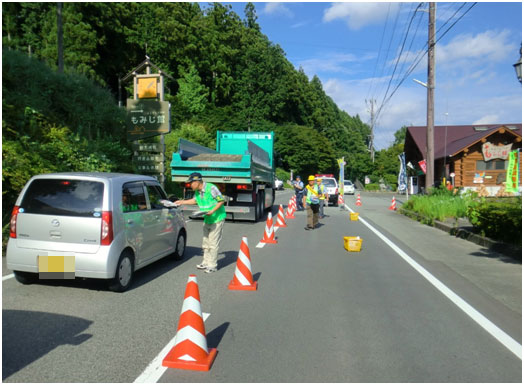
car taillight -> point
(106, 235)
(12, 227)
(187, 185)
(336, 191)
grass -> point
(438, 207)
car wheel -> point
(180, 246)
(25, 278)
(123, 274)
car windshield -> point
(348, 183)
(329, 182)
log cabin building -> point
(471, 156)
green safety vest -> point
(207, 202)
(312, 197)
(322, 197)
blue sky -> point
(353, 48)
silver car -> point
(109, 225)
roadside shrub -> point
(372, 187)
(437, 207)
(283, 175)
(498, 219)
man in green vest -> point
(323, 197)
(210, 200)
(312, 203)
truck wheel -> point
(262, 202)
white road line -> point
(261, 244)
(512, 345)
(6, 277)
(155, 370)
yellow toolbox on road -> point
(352, 243)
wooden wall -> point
(464, 164)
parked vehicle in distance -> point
(279, 185)
(349, 187)
(332, 189)
(112, 224)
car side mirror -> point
(173, 198)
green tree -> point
(191, 93)
(400, 135)
(304, 150)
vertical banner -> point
(341, 165)
(512, 174)
(402, 176)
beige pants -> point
(211, 243)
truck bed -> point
(216, 158)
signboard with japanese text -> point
(512, 174)
(147, 158)
(149, 168)
(149, 147)
(146, 118)
(490, 151)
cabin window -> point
(491, 165)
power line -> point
(412, 67)
(401, 50)
(379, 50)
(411, 44)
(390, 41)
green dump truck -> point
(242, 167)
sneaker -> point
(308, 228)
(211, 270)
(201, 266)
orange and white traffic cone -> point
(281, 222)
(393, 205)
(358, 201)
(340, 199)
(190, 351)
(290, 213)
(269, 231)
(243, 278)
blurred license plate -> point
(56, 266)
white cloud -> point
(277, 9)
(473, 104)
(488, 119)
(481, 49)
(358, 15)
(329, 63)
(300, 24)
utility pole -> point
(430, 138)
(372, 137)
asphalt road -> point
(320, 314)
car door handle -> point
(130, 221)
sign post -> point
(341, 165)
(148, 115)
